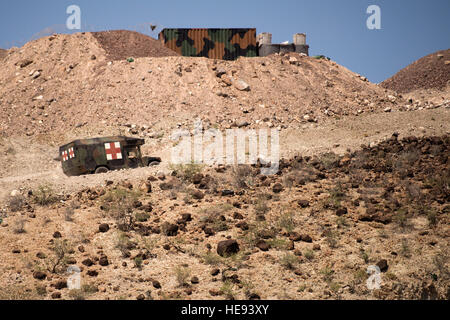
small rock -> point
(156, 284)
(227, 193)
(303, 203)
(215, 272)
(241, 85)
(60, 285)
(383, 265)
(87, 262)
(57, 235)
(263, 245)
(306, 238)
(170, 229)
(104, 227)
(56, 295)
(341, 211)
(227, 247)
(277, 188)
(39, 275)
(103, 261)
(194, 280)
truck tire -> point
(101, 170)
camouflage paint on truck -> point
(226, 44)
(88, 155)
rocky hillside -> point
(430, 72)
(310, 232)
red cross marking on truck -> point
(71, 153)
(64, 155)
(113, 151)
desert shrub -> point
(120, 203)
(186, 171)
(329, 160)
(440, 261)
(227, 290)
(182, 274)
(45, 195)
(401, 218)
(360, 275)
(19, 225)
(124, 244)
(16, 203)
(242, 176)
(138, 262)
(433, 217)
(327, 273)
(68, 214)
(286, 221)
(141, 216)
(260, 204)
(289, 261)
(405, 250)
(342, 222)
(61, 250)
(309, 254)
(332, 237)
(214, 216)
(211, 259)
(336, 196)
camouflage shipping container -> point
(226, 44)
(99, 155)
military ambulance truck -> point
(99, 155)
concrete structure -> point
(265, 46)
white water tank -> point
(264, 38)
(299, 39)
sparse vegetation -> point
(309, 254)
(19, 225)
(45, 195)
(289, 261)
(182, 274)
(186, 171)
(61, 250)
(16, 203)
(286, 221)
(120, 203)
(242, 176)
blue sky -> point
(410, 29)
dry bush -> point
(16, 203)
(182, 274)
(19, 225)
(45, 195)
(120, 203)
(242, 176)
(186, 171)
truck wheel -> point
(101, 170)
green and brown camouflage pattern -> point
(226, 44)
(90, 154)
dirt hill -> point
(123, 44)
(3, 53)
(430, 72)
(62, 83)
